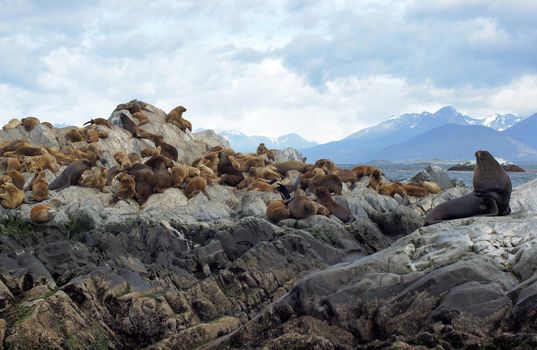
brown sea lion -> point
(30, 123)
(150, 151)
(126, 190)
(112, 173)
(195, 185)
(71, 174)
(228, 165)
(375, 179)
(207, 173)
(162, 180)
(179, 173)
(166, 149)
(491, 195)
(331, 182)
(277, 211)
(268, 174)
(327, 165)
(11, 196)
(74, 135)
(232, 180)
(45, 161)
(17, 178)
(101, 179)
(91, 135)
(346, 175)
(122, 159)
(284, 167)
(12, 124)
(128, 124)
(262, 149)
(415, 190)
(142, 118)
(159, 162)
(134, 157)
(103, 134)
(40, 186)
(300, 206)
(261, 186)
(390, 189)
(11, 163)
(42, 213)
(25, 151)
(362, 170)
(176, 117)
(99, 121)
(144, 179)
(325, 198)
(321, 209)
(142, 134)
(430, 186)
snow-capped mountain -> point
(248, 143)
(500, 122)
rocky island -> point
(178, 270)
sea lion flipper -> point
(206, 194)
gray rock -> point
(287, 154)
(436, 174)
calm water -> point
(400, 172)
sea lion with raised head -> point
(12, 124)
(71, 175)
(325, 198)
(300, 206)
(17, 178)
(10, 196)
(491, 195)
(166, 149)
(40, 186)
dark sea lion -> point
(71, 175)
(325, 198)
(30, 123)
(491, 195)
(162, 180)
(228, 165)
(17, 178)
(331, 182)
(166, 149)
(362, 170)
(144, 179)
(128, 124)
(232, 180)
(159, 162)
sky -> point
(322, 69)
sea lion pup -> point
(362, 170)
(103, 134)
(87, 178)
(277, 211)
(321, 209)
(12, 124)
(11, 163)
(159, 162)
(91, 134)
(390, 189)
(430, 186)
(142, 118)
(325, 198)
(300, 206)
(42, 212)
(327, 165)
(284, 167)
(101, 179)
(207, 173)
(71, 175)
(126, 190)
(40, 186)
(99, 121)
(491, 195)
(17, 178)
(144, 179)
(45, 161)
(195, 185)
(262, 149)
(122, 159)
(74, 135)
(134, 157)
(166, 149)
(150, 151)
(162, 180)
(331, 182)
(128, 124)
(176, 117)
(415, 190)
(11, 196)
(178, 174)
(30, 123)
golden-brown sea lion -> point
(268, 174)
(30, 123)
(91, 135)
(491, 195)
(40, 186)
(228, 165)
(126, 190)
(331, 182)
(12, 124)
(122, 159)
(45, 161)
(321, 209)
(362, 170)
(178, 173)
(11, 196)
(25, 151)
(284, 167)
(166, 149)
(195, 185)
(71, 174)
(262, 149)
(11, 163)
(103, 134)
(430, 186)
(74, 135)
(207, 173)
(176, 117)
(390, 189)
(277, 211)
(325, 198)
(414, 190)
(327, 165)
(99, 121)
(150, 151)
(261, 186)
(42, 213)
(375, 179)
(142, 118)
(346, 175)
(300, 206)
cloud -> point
(322, 69)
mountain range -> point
(246, 143)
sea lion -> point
(375, 179)
(327, 165)
(277, 211)
(134, 157)
(284, 167)
(268, 174)
(103, 134)
(166, 149)
(390, 189)
(122, 159)
(159, 162)
(232, 180)
(331, 182)
(126, 190)
(207, 173)
(262, 149)
(142, 118)
(11, 196)
(42, 213)
(491, 195)
(300, 206)
(144, 179)
(25, 151)
(415, 190)
(17, 178)
(101, 179)
(91, 135)
(99, 121)
(430, 186)
(325, 198)
(74, 135)
(11, 163)
(71, 174)
(346, 175)
(112, 173)
(162, 180)
(128, 124)
(12, 124)
(321, 209)
(40, 186)
(179, 173)
(228, 165)
(45, 161)
(362, 170)
(261, 186)
(30, 123)
(176, 117)
(150, 151)
(195, 185)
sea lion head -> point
(321, 192)
(492, 180)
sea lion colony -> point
(137, 176)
